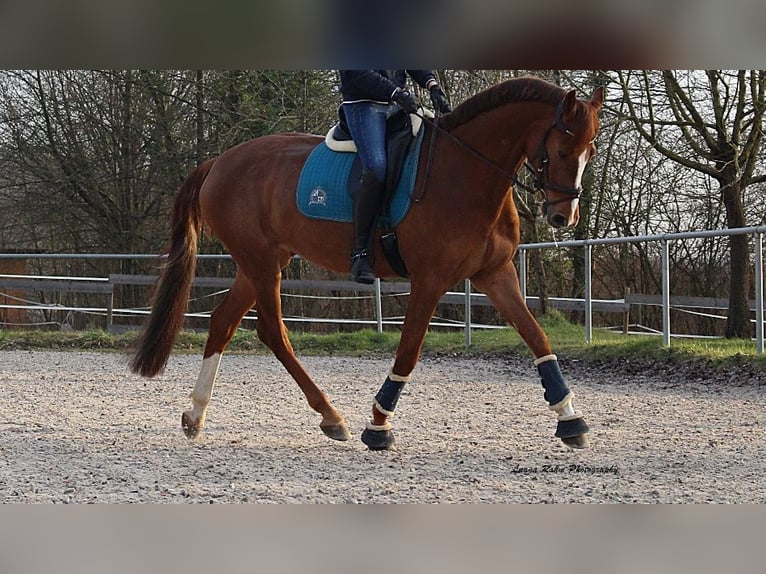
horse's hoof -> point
(336, 431)
(580, 441)
(573, 433)
(378, 440)
(191, 429)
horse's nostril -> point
(557, 220)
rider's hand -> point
(439, 100)
(405, 99)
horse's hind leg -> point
(223, 324)
(422, 304)
(272, 331)
(502, 288)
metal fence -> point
(467, 298)
(105, 286)
(664, 240)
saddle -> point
(339, 138)
(330, 179)
(401, 129)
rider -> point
(369, 98)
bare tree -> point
(710, 122)
(100, 152)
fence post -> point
(523, 273)
(110, 311)
(588, 295)
(626, 314)
(467, 313)
(758, 254)
(378, 305)
(665, 293)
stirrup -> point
(361, 268)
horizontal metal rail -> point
(664, 239)
(588, 304)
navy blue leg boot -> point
(571, 428)
(380, 437)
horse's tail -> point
(171, 295)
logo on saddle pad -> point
(318, 197)
(322, 191)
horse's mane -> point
(514, 90)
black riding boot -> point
(366, 208)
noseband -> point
(540, 174)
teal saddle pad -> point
(323, 185)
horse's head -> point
(560, 157)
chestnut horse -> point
(464, 225)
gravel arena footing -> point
(80, 428)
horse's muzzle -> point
(558, 217)
(556, 220)
(563, 212)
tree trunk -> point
(583, 229)
(538, 268)
(577, 254)
(199, 96)
(738, 321)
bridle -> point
(540, 174)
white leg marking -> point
(203, 390)
(562, 404)
(566, 411)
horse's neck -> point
(499, 137)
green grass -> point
(567, 341)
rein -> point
(539, 174)
(431, 145)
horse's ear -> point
(569, 104)
(597, 98)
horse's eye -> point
(562, 154)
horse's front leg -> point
(502, 287)
(420, 308)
